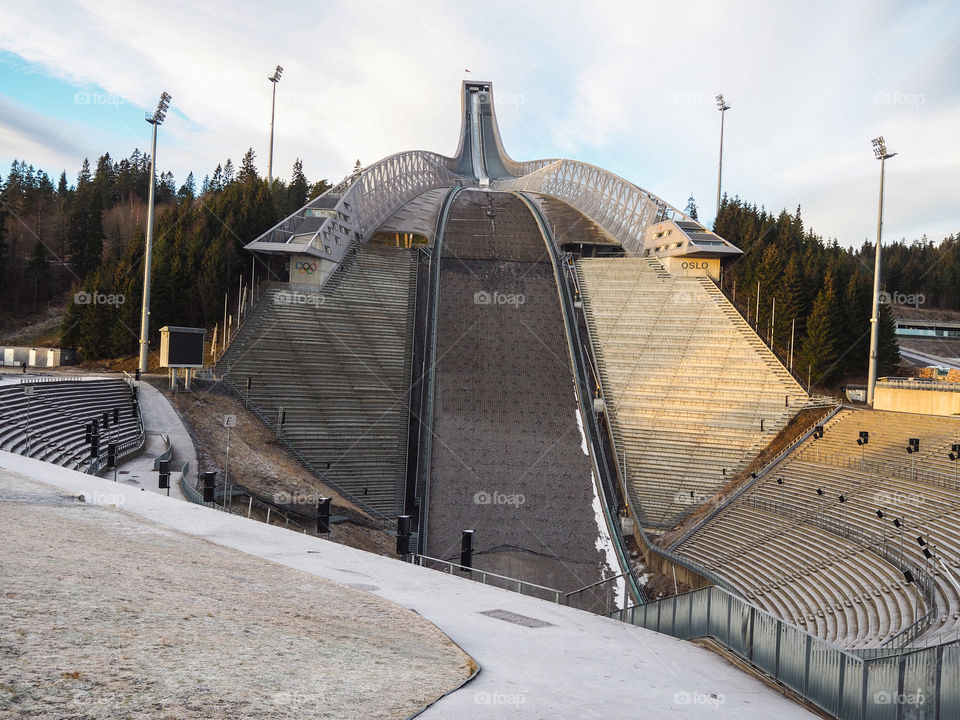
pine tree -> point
(248, 167)
(62, 188)
(228, 172)
(296, 190)
(819, 354)
(39, 269)
(84, 176)
(188, 190)
(888, 349)
(216, 183)
(691, 210)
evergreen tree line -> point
(820, 294)
(84, 243)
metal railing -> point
(916, 684)
(428, 377)
(584, 375)
(756, 477)
(918, 384)
(876, 544)
(488, 578)
(621, 208)
(355, 207)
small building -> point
(686, 247)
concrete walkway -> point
(537, 659)
(159, 419)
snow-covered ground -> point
(537, 659)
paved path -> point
(159, 419)
(537, 659)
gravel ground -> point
(109, 616)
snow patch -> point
(604, 542)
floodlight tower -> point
(722, 107)
(275, 78)
(156, 119)
(880, 150)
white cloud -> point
(628, 86)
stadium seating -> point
(338, 363)
(693, 394)
(51, 424)
(775, 530)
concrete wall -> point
(925, 402)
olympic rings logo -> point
(306, 267)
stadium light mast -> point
(880, 151)
(722, 107)
(275, 78)
(156, 119)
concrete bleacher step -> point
(682, 373)
(340, 368)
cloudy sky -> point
(628, 86)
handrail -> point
(428, 385)
(601, 471)
(755, 478)
(422, 560)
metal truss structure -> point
(621, 208)
(353, 210)
(355, 207)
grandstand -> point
(799, 553)
(47, 418)
(692, 393)
(338, 363)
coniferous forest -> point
(86, 234)
(828, 289)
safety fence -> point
(920, 684)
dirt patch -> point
(259, 464)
